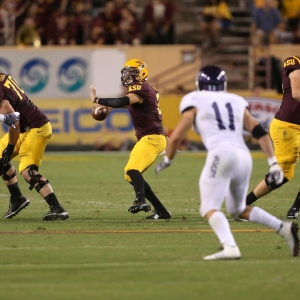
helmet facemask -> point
(134, 70)
(129, 75)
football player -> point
(28, 140)
(219, 117)
(285, 134)
(142, 101)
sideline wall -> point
(68, 73)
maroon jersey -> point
(30, 115)
(289, 110)
(146, 117)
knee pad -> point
(273, 186)
(35, 178)
(4, 175)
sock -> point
(297, 201)
(52, 200)
(262, 217)
(152, 197)
(14, 189)
(138, 183)
(251, 198)
(220, 226)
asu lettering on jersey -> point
(289, 110)
(30, 115)
(134, 87)
(146, 117)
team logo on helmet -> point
(134, 70)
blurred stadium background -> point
(57, 48)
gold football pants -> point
(30, 146)
(286, 140)
(145, 152)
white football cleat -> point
(289, 231)
(229, 252)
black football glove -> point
(12, 118)
(162, 165)
(6, 154)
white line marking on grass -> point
(258, 230)
(94, 265)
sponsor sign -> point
(64, 73)
(263, 109)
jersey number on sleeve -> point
(11, 83)
(218, 116)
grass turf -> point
(104, 252)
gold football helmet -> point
(134, 70)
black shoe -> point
(159, 215)
(56, 213)
(292, 213)
(16, 204)
(139, 205)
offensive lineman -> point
(142, 101)
(285, 134)
(219, 117)
(29, 141)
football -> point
(100, 112)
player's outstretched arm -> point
(265, 143)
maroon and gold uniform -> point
(147, 121)
(142, 101)
(35, 128)
(146, 117)
(290, 108)
(285, 127)
(31, 116)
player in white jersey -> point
(220, 117)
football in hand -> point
(100, 112)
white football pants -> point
(225, 175)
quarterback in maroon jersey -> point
(28, 140)
(285, 133)
(142, 101)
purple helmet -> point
(211, 78)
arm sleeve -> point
(113, 102)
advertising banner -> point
(64, 73)
(72, 123)
(263, 109)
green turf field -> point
(104, 252)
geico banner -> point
(72, 123)
(66, 72)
